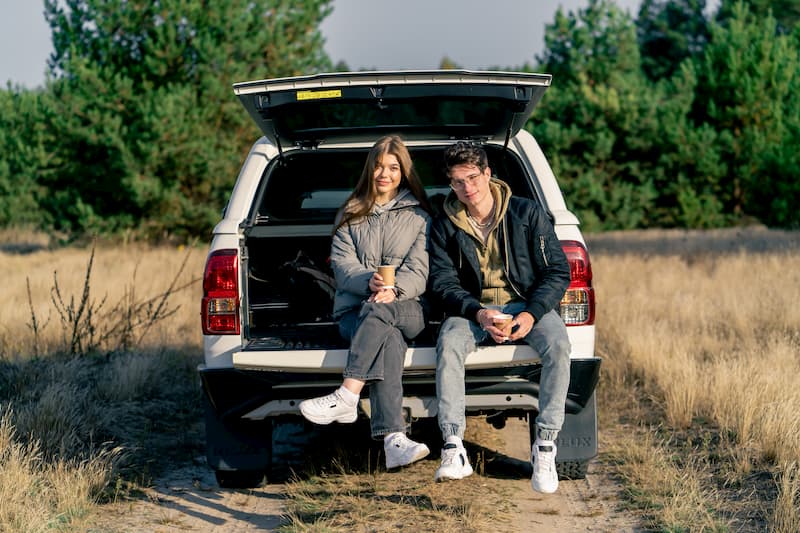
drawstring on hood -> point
(492, 258)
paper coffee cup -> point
(503, 322)
(387, 273)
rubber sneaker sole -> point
(348, 418)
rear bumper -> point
(258, 356)
(245, 393)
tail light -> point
(577, 305)
(220, 307)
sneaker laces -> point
(449, 453)
(401, 441)
(331, 400)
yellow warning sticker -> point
(319, 95)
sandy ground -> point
(189, 499)
(590, 504)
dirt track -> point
(188, 499)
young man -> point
(491, 253)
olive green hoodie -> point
(495, 287)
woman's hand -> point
(385, 296)
(376, 283)
(379, 294)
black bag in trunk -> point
(311, 289)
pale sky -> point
(380, 34)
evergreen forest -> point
(679, 117)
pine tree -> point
(149, 132)
(668, 32)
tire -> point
(239, 479)
(572, 469)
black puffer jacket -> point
(534, 261)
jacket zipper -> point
(505, 259)
(541, 247)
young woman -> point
(384, 222)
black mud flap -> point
(237, 450)
(577, 442)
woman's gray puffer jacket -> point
(394, 235)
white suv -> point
(269, 339)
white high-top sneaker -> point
(543, 459)
(330, 408)
(455, 464)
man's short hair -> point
(465, 153)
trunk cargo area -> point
(288, 281)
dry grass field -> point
(699, 404)
(700, 335)
(93, 376)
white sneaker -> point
(543, 459)
(402, 451)
(455, 464)
(327, 409)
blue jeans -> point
(460, 336)
(377, 334)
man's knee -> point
(455, 335)
(561, 346)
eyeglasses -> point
(460, 185)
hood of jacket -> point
(403, 199)
(457, 211)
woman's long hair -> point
(359, 204)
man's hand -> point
(525, 322)
(485, 318)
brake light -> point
(220, 307)
(577, 305)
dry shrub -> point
(787, 509)
(38, 494)
(122, 279)
(71, 423)
(669, 488)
